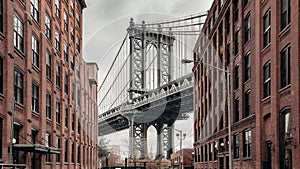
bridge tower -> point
(140, 39)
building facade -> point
(258, 43)
(48, 93)
(186, 158)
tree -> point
(102, 147)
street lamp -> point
(226, 71)
(181, 136)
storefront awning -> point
(37, 148)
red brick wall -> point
(86, 138)
(265, 111)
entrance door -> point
(221, 163)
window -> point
(35, 51)
(66, 150)
(247, 143)
(236, 43)
(78, 153)
(267, 28)
(66, 117)
(236, 146)
(47, 26)
(35, 98)
(227, 22)
(78, 44)
(48, 105)
(72, 34)
(1, 75)
(236, 110)
(247, 28)
(1, 15)
(267, 79)
(73, 91)
(57, 40)
(18, 34)
(216, 151)
(78, 126)
(73, 153)
(48, 144)
(72, 60)
(18, 87)
(77, 20)
(57, 8)
(236, 77)
(235, 10)
(66, 57)
(66, 83)
(65, 21)
(285, 69)
(58, 112)
(285, 141)
(247, 67)
(72, 7)
(245, 3)
(285, 13)
(34, 134)
(1, 128)
(58, 145)
(73, 121)
(227, 53)
(34, 9)
(210, 151)
(247, 103)
(48, 65)
(58, 72)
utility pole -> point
(181, 136)
(12, 114)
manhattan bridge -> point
(147, 84)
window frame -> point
(247, 28)
(57, 8)
(1, 75)
(48, 65)
(236, 76)
(58, 112)
(58, 75)
(285, 66)
(236, 110)
(247, 143)
(35, 98)
(48, 105)
(57, 40)
(18, 87)
(267, 28)
(236, 146)
(58, 144)
(35, 48)
(247, 66)
(267, 79)
(247, 103)
(285, 13)
(35, 10)
(48, 26)
(18, 33)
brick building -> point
(256, 41)
(187, 159)
(55, 91)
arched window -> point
(285, 139)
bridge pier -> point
(165, 140)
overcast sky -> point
(105, 23)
